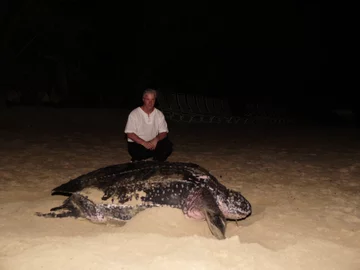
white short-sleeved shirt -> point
(146, 126)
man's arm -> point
(163, 129)
(148, 145)
(161, 136)
(135, 138)
(158, 138)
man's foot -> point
(159, 160)
(137, 160)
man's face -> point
(149, 101)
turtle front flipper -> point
(200, 204)
(216, 223)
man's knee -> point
(165, 144)
(138, 152)
(163, 150)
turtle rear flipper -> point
(67, 209)
(201, 204)
(78, 205)
(75, 206)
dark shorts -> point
(162, 151)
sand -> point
(303, 184)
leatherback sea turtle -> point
(118, 192)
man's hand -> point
(148, 145)
(153, 143)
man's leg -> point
(163, 150)
(138, 152)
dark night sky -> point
(252, 49)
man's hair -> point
(150, 91)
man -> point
(147, 131)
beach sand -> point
(303, 184)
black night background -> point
(87, 54)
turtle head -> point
(233, 205)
